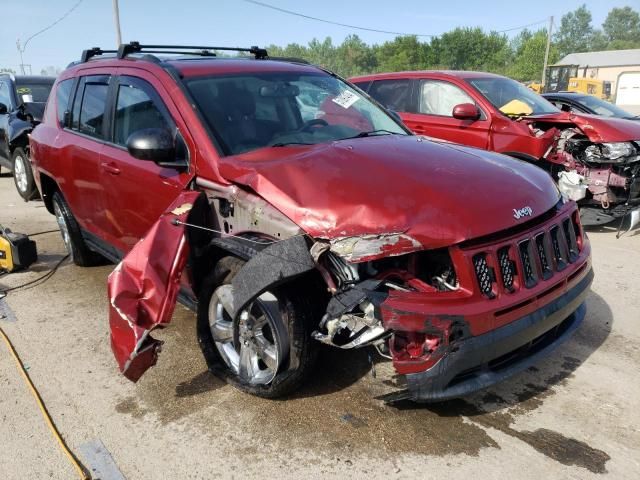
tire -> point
(23, 175)
(293, 322)
(71, 235)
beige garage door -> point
(628, 91)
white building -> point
(620, 67)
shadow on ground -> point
(338, 408)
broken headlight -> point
(616, 152)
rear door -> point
(434, 114)
(84, 142)
(137, 192)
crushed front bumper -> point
(484, 360)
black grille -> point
(484, 274)
(543, 255)
(570, 236)
(528, 267)
(507, 268)
(558, 249)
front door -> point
(434, 118)
(6, 100)
(137, 192)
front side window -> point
(256, 110)
(135, 110)
(439, 98)
(5, 94)
(393, 94)
(512, 98)
(63, 92)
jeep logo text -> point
(522, 212)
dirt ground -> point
(576, 415)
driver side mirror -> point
(3, 109)
(466, 111)
(155, 145)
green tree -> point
(528, 61)
(472, 49)
(621, 28)
(354, 57)
(402, 53)
(575, 33)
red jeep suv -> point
(595, 160)
(289, 210)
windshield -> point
(277, 109)
(33, 92)
(600, 107)
(512, 98)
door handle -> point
(111, 168)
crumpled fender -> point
(143, 289)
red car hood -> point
(601, 129)
(437, 194)
(597, 129)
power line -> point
(309, 17)
(24, 45)
(272, 7)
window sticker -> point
(346, 99)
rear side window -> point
(63, 92)
(439, 98)
(393, 94)
(135, 110)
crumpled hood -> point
(437, 194)
(603, 129)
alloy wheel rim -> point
(249, 345)
(20, 173)
(64, 229)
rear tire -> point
(291, 322)
(23, 175)
(71, 234)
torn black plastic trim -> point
(275, 265)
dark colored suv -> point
(22, 102)
(289, 210)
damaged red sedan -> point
(595, 160)
(289, 210)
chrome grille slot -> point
(544, 256)
(484, 274)
(507, 268)
(528, 265)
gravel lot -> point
(575, 415)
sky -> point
(239, 23)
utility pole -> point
(546, 52)
(116, 19)
(20, 51)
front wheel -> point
(23, 175)
(267, 350)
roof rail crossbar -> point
(92, 52)
(135, 47)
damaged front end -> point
(593, 166)
(603, 177)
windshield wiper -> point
(373, 133)
(284, 144)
